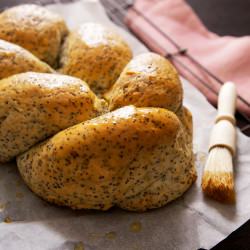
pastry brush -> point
(218, 179)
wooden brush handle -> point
(227, 102)
(223, 135)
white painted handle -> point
(227, 102)
(223, 135)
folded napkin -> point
(227, 57)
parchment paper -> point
(187, 223)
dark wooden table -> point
(224, 17)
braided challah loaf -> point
(134, 158)
(134, 152)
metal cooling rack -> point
(117, 10)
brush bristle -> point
(217, 180)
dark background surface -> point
(224, 17)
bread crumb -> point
(79, 246)
(135, 227)
(7, 219)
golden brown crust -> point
(15, 59)
(135, 158)
(35, 29)
(149, 80)
(186, 119)
(34, 106)
(177, 176)
(95, 54)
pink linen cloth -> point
(226, 56)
